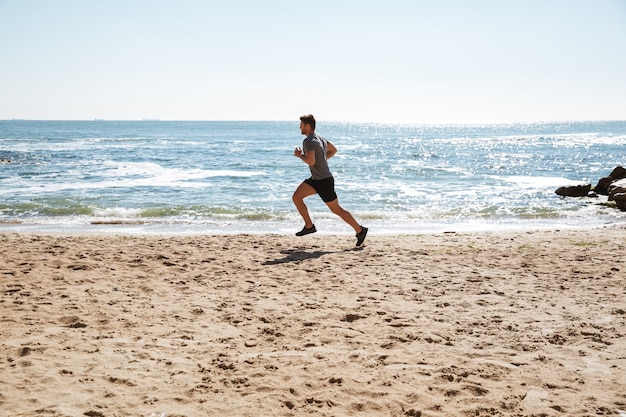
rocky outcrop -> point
(614, 186)
(602, 187)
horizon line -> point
(424, 122)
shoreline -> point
(479, 323)
(326, 228)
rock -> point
(574, 191)
(602, 187)
(618, 173)
(617, 187)
(620, 201)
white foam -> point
(129, 175)
(117, 212)
(538, 182)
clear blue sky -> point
(384, 61)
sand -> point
(527, 323)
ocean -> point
(170, 177)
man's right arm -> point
(308, 157)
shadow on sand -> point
(298, 255)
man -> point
(315, 152)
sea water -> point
(161, 177)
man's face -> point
(303, 128)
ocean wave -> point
(226, 175)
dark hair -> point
(308, 119)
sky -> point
(391, 61)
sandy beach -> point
(525, 323)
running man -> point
(315, 152)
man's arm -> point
(330, 150)
(308, 158)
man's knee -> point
(297, 198)
(302, 192)
(335, 208)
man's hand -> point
(308, 158)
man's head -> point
(307, 124)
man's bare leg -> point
(344, 214)
(304, 190)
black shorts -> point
(325, 188)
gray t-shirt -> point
(317, 144)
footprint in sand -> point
(73, 322)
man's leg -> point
(304, 190)
(344, 214)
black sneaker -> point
(360, 237)
(306, 230)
